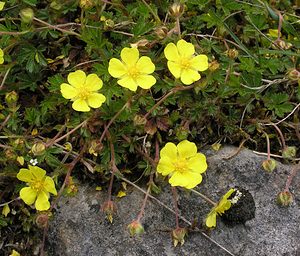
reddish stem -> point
(281, 136)
(175, 196)
(291, 176)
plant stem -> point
(67, 134)
(268, 146)
(281, 135)
(174, 90)
(142, 211)
(175, 198)
(291, 176)
(113, 119)
(204, 197)
(152, 12)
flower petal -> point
(25, 175)
(37, 172)
(95, 100)
(93, 82)
(116, 68)
(145, 65)
(1, 53)
(130, 56)
(200, 62)
(174, 68)
(171, 52)
(2, 5)
(1, 60)
(165, 166)
(28, 195)
(211, 219)
(80, 105)
(77, 78)
(189, 76)
(185, 179)
(68, 91)
(186, 149)
(197, 163)
(146, 81)
(170, 151)
(185, 49)
(42, 202)
(128, 82)
(49, 185)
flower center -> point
(37, 185)
(181, 165)
(185, 63)
(83, 93)
(133, 72)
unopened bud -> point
(213, 66)
(285, 198)
(269, 165)
(289, 152)
(161, 32)
(38, 149)
(85, 4)
(27, 15)
(135, 228)
(294, 75)
(232, 53)
(143, 43)
(95, 147)
(11, 98)
(178, 236)
(176, 10)
(42, 220)
(139, 120)
(10, 155)
(110, 209)
(182, 133)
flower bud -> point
(182, 133)
(95, 147)
(176, 10)
(26, 15)
(143, 43)
(213, 66)
(38, 149)
(161, 32)
(135, 228)
(294, 75)
(178, 235)
(10, 155)
(232, 53)
(11, 98)
(269, 165)
(139, 120)
(285, 198)
(42, 220)
(109, 208)
(85, 4)
(289, 152)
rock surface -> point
(80, 229)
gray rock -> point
(80, 229)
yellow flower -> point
(2, 5)
(183, 64)
(223, 205)
(39, 187)
(132, 71)
(182, 163)
(1, 51)
(82, 90)
(14, 253)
